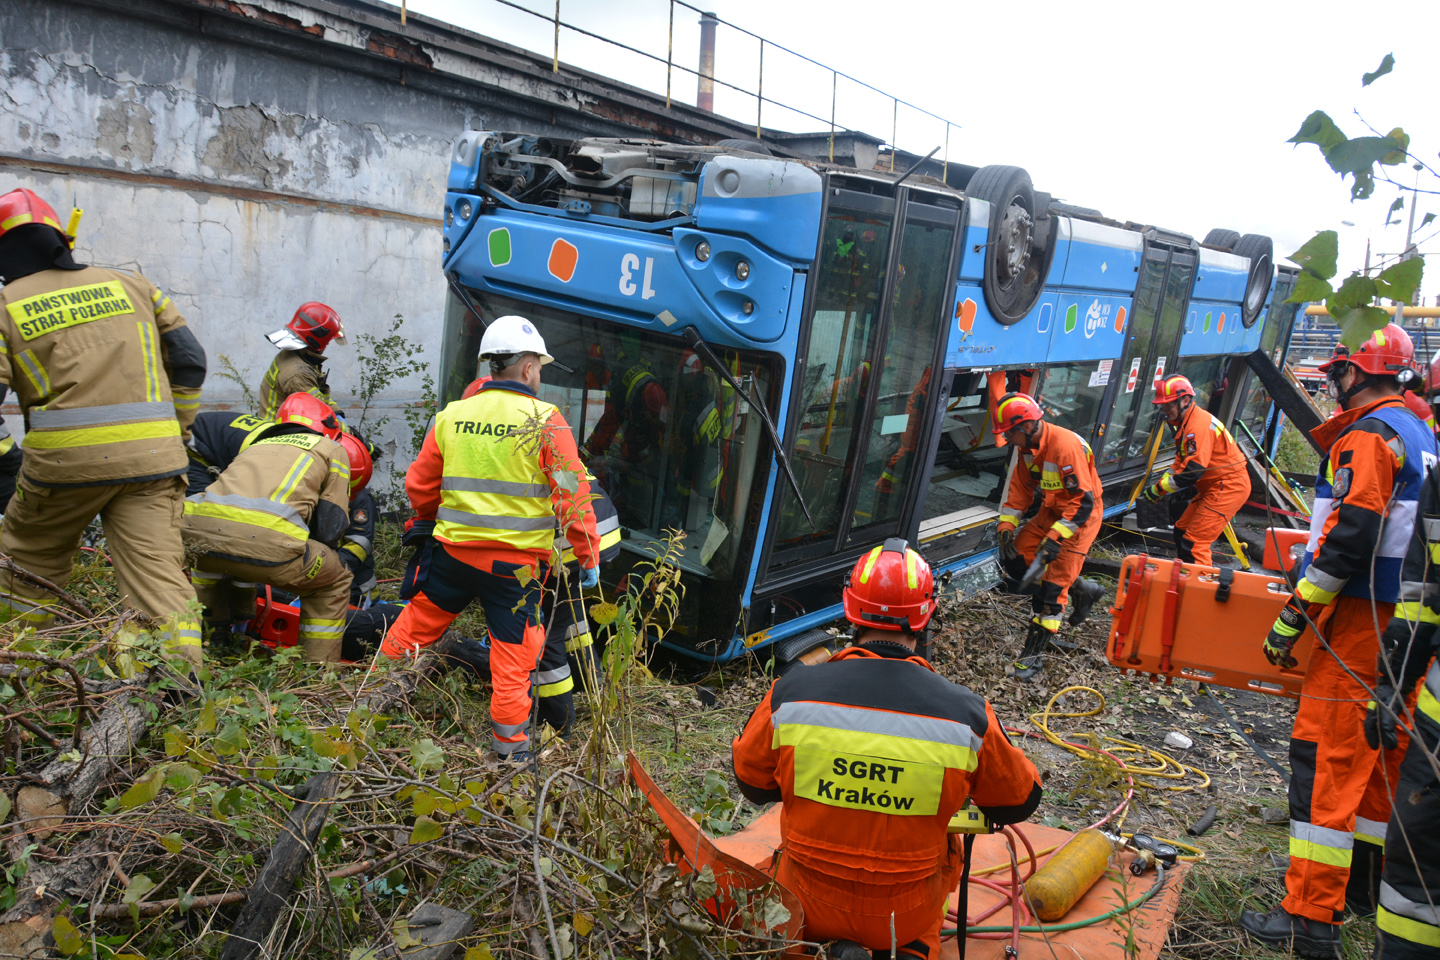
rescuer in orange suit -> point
(488, 499)
(1366, 497)
(1208, 480)
(1056, 489)
(871, 754)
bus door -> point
(1279, 319)
(868, 374)
(1152, 343)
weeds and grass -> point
(241, 378)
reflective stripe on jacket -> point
(291, 372)
(84, 353)
(1059, 475)
(871, 757)
(259, 510)
(607, 527)
(1366, 496)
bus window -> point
(1206, 375)
(669, 441)
(1167, 341)
(831, 401)
(1071, 394)
(919, 303)
(1137, 344)
(967, 477)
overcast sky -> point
(1164, 113)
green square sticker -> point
(499, 246)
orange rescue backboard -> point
(1169, 621)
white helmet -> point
(511, 335)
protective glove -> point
(1006, 535)
(1283, 634)
(417, 531)
(1154, 492)
(589, 577)
(1049, 550)
(1380, 720)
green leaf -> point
(1425, 221)
(144, 790)
(481, 952)
(1357, 323)
(231, 740)
(1318, 256)
(566, 480)
(1309, 289)
(425, 830)
(4, 807)
(1385, 67)
(1399, 281)
(776, 914)
(206, 724)
(139, 886)
(176, 742)
(427, 756)
(172, 842)
(1397, 156)
(1356, 291)
(426, 803)
(68, 940)
(1359, 154)
(1399, 204)
(1320, 130)
(181, 776)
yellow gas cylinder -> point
(1066, 876)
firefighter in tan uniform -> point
(108, 376)
(276, 516)
(299, 366)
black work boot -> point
(1362, 890)
(1030, 662)
(1305, 937)
(1086, 594)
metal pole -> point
(555, 64)
(705, 90)
(945, 165)
(670, 55)
(834, 86)
(894, 126)
(760, 90)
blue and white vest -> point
(1417, 454)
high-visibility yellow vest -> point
(492, 489)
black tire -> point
(1261, 253)
(745, 146)
(1016, 263)
(1061, 209)
(1222, 238)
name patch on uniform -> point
(37, 316)
(478, 429)
(876, 784)
(1190, 445)
(305, 441)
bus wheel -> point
(1019, 249)
(1260, 252)
(1222, 238)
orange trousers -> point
(1063, 570)
(1203, 521)
(1340, 789)
(840, 909)
(514, 626)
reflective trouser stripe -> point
(32, 613)
(1427, 704)
(579, 642)
(1407, 929)
(557, 688)
(506, 738)
(1370, 831)
(1051, 624)
(186, 633)
(322, 629)
(1320, 844)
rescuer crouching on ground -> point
(1055, 488)
(487, 497)
(275, 516)
(1366, 496)
(871, 754)
(1208, 482)
(108, 376)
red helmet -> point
(310, 412)
(362, 467)
(475, 386)
(1172, 388)
(891, 588)
(314, 325)
(1013, 410)
(20, 207)
(1388, 353)
(1432, 383)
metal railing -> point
(671, 67)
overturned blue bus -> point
(791, 361)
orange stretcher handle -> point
(1172, 612)
(1127, 601)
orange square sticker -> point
(563, 258)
